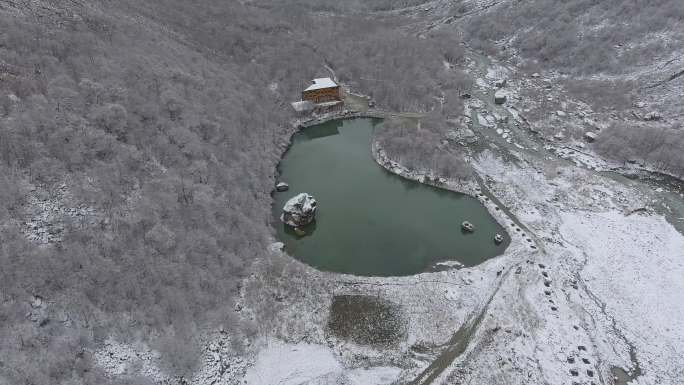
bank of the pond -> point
(371, 221)
(471, 187)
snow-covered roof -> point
(321, 83)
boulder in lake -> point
(300, 210)
(282, 186)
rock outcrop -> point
(499, 97)
(300, 210)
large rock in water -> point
(300, 210)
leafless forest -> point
(167, 119)
(144, 136)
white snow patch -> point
(383, 375)
(635, 264)
(117, 359)
(297, 364)
(288, 364)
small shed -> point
(303, 107)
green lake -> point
(370, 222)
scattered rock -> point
(561, 114)
(501, 83)
(536, 75)
(590, 136)
(499, 97)
(276, 247)
(300, 210)
(462, 135)
(652, 116)
(282, 186)
(559, 136)
(36, 302)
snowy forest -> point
(166, 123)
(139, 142)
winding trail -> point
(459, 342)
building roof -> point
(321, 83)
